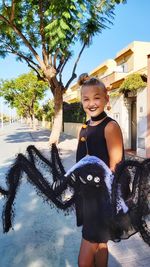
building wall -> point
(104, 69)
(141, 50)
(120, 113)
(141, 121)
(72, 128)
(127, 62)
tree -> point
(23, 93)
(43, 33)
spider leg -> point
(42, 185)
(144, 201)
(57, 167)
(13, 183)
(127, 175)
(32, 150)
(3, 192)
(34, 176)
(137, 199)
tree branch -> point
(26, 42)
(29, 62)
(11, 50)
(62, 67)
(50, 59)
(55, 57)
(38, 74)
(12, 11)
(44, 51)
(61, 62)
(25, 58)
(73, 76)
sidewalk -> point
(128, 253)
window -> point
(122, 68)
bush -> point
(73, 112)
(132, 83)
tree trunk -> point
(57, 123)
(31, 121)
(34, 122)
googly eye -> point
(89, 177)
(96, 179)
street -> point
(42, 236)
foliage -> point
(56, 27)
(48, 110)
(39, 114)
(44, 33)
(132, 83)
(4, 117)
(23, 93)
(73, 112)
(114, 93)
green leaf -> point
(83, 7)
(64, 25)
(66, 15)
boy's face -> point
(93, 100)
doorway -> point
(133, 124)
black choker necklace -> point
(99, 117)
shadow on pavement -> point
(113, 262)
(42, 237)
(19, 137)
(24, 128)
(38, 136)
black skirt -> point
(94, 212)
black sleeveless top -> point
(96, 142)
(89, 211)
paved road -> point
(42, 237)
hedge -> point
(73, 112)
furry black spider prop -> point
(123, 204)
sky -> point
(131, 23)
